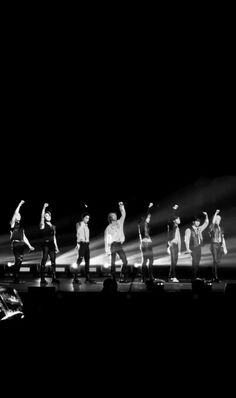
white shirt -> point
(114, 232)
(82, 232)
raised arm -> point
(187, 239)
(122, 211)
(13, 220)
(214, 217)
(206, 222)
(42, 221)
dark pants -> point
(18, 251)
(48, 250)
(196, 258)
(84, 252)
(147, 253)
(174, 254)
(216, 250)
(116, 248)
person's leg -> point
(18, 251)
(113, 260)
(196, 257)
(151, 259)
(87, 264)
(217, 262)
(214, 250)
(52, 256)
(144, 263)
(79, 261)
(174, 260)
(43, 264)
(124, 268)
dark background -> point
(97, 113)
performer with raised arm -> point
(146, 245)
(193, 242)
(114, 237)
(83, 237)
(218, 245)
(49, 244)
(173, 242)
(18, 241)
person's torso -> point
(195, 237)
(115, 230)
(48, 232)
(17, 233)
(216, 234)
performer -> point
(18, 241)
(218, 245)
(82, 234)
(174, 242)
(114, 237)
(146, 245)
(193, 242)
(49, 244)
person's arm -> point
(16, 212)
(42, 221)
(122, 211)
(214, 217)
(187, 240)
(25, 239)
(224, 245)
(79, 234)
(55, 243)
(107, 241)
(206, 222)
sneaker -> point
(174, 279)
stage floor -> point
(66, 285)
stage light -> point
(74, 265)
(10, 264)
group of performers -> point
(114, 238)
